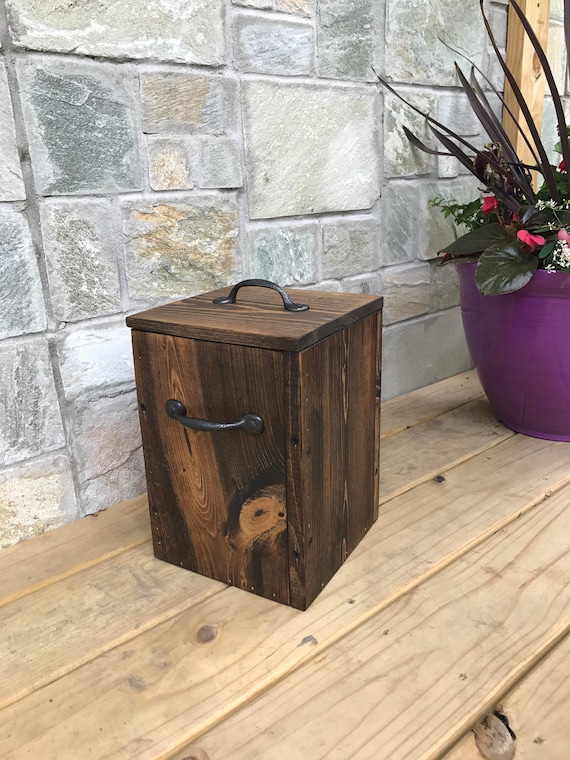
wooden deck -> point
(456, 602)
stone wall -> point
(154, 149)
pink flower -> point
(563, 235)
(490, 204)
(562, 166)
(531, 240)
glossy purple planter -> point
(520, 346)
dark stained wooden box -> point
(278, 511)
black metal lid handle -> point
(288, 304)
(251, 423)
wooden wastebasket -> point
(260, 424)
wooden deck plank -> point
(233, 647)
(447, 647)
(411, 457)
(426, 403)
(56, 554)
(55, 630)
(537, 710)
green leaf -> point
(547, 216)
(476, 240)
(503, 269)
(547, 249)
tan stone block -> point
(293, 6)
(176, 249)
(169, 164)
(180, 102)
(34, 498)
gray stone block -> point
(557, 55)
(557, 9)
(400, 230)
(347, 35)
(331, 286)
(448, 167)
(35, 497)
(81, 125)
(81, 259)
(406, 291)
(310, 149)
(350, 248)
(266, 46)
(30, 419)
(456, 113)
(175, 102)
(107, 451)
(422, 351)
(444, 287)
(11, 181)
(284, 255)
(439, 231)
(95, 357)
(22, 308)
(401, 159)
(421, 38)
(168, 31)
(220, 165)
(497, 15)
(549, 132)
(176, 248)
(369, 284)
(261, 4)
(170, 161)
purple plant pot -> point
(520, 346)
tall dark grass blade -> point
(430, 120)
(558, 107)
(506, 139)
(476, 86)
(416, 142)
(544, 164)
(487, 118)
(465, 159)
(489, 123)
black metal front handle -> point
(251, 423)
(288, 304)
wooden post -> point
(527, 70)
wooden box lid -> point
(258, 317)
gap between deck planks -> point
(256, 643)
